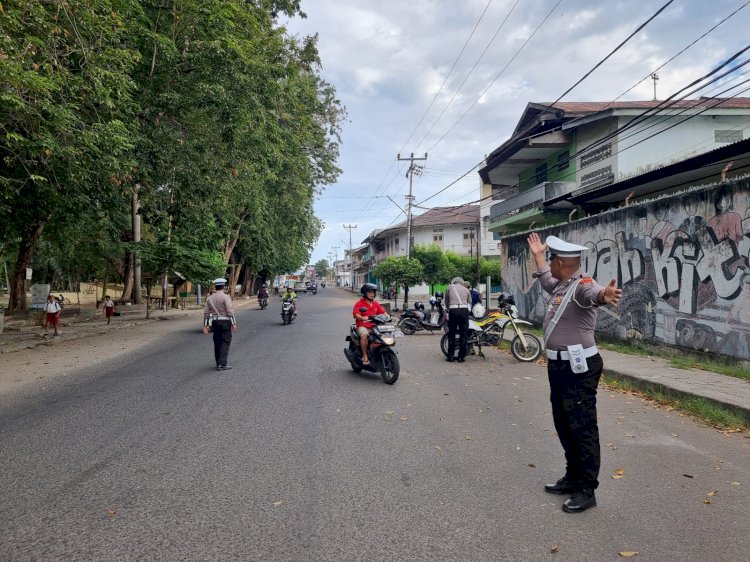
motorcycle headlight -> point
(388, 340)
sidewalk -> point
(648, 372)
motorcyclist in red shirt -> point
(368, 292)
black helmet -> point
(439, 295)
(367, 287)
(506, 298)
(419, 305)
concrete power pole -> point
(410, 197)
(350, 227)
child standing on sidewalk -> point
(52, 309)
(109, 308)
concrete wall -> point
(683, 262)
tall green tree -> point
(65, 106)
(399, 270)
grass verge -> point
(703, 410)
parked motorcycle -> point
(287, 312)
(490, 330)
(416, 319)
(380, 351)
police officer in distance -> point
(219, 314)
(574, 365)
(457, 301)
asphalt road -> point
(291, 456)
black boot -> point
(562, 486)
(581, 501)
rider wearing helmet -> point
(368, 292)
(263, 292)
(290, 295)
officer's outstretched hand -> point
(234, 327)
(204, 329)
(535, 244)
(611, 294)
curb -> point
(674, 393)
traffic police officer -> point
(574, 365)
(219, 314)
(458, 301)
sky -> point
(451, 78)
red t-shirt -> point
(373, 308)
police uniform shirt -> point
(457, 294)
(576, 326)
(222, 305)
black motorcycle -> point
(380, 350)
(263, 302)
(314, 289)
(416, 319)
(287, 312)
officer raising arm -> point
(574, 365)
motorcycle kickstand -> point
(481, 353)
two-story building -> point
(589, 156)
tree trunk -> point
(26, 249)
(234, 277)
(127, 277)
(406, 297)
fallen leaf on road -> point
(688, 476)
(438, 448)
(735, 483)
(706, 501)
(446, 394)
(403, 418)
(619, 473)
(629, 435)
(111, 512)
(468, 437)
(712, 493)
(389, 416)
(531, 465)
(627, 553)
(279, 502)
(555, 548)
(674, 435)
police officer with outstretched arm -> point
(574, 365)
(219, 314)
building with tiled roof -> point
(588, 156)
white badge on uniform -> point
(578, 362)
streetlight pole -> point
(350, 227)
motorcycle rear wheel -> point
(532, 351)
(389, 367)
(471, 340)
(408, 328)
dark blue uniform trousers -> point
(222, 330)
(573, 398)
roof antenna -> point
(655, 78)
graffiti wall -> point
(683, 262)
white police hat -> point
(220, 281)
(564, 249)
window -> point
(496, 236)
(540, 175)
(437, 238)
(469, 235)
(563, 161)
(437, 230)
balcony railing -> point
(535, 196)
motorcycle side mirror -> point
(362, 310)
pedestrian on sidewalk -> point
(457, 301)
(109, 308)
(52, 309)
(574, 365)
(219, 315)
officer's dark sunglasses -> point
(550, 256)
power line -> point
(628, 38)
(447, 75)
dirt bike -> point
(490, 330)
(380, 350)
(287, 312)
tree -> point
(400, 270)
(322, 268)
(434, 262)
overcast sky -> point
(389, 58)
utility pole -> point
(350, 227)
(655, 78)
(410, 174)
(335, 268)
(136, 218)
(479, 225)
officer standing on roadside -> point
(574, 365)
(457, 301)
(219, 314)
